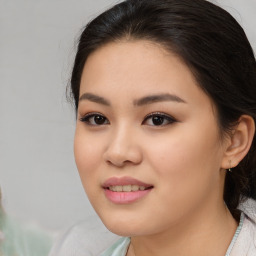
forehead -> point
(136, 68)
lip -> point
(122, 181)
(125, 197)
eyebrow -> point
(139, 102)
(94, 98)
(158, 98)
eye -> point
(94, 119)
(158, 119)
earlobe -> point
(239, 143)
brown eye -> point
(94, 119)
(158, 119)
(99, 120)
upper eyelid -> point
(148, 115)
(91, 114)
(160, 114)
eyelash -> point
(87, 117)
(165, 117)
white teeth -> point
(126, 188)
(112, 188)
(119, 188)
(135, 187)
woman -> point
(165, 94)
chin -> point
(124, 231)
(126, 227)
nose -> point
(123, 148)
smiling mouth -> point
(126, 194)
(128, 188)
(125, 190)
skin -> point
(184, 160)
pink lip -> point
(125, 197)
(122, 181)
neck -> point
(208, 233)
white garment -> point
(246, 241)
(91, 238)
(87, 238)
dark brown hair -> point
(212, 44)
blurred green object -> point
(17, 239)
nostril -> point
(116, 163)
(122, 149)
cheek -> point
(87, 156)
(181, 152)
(87, 152)
(187, 163)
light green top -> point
(121, 246)
(19, 240)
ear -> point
(239, 142)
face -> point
(147, 144)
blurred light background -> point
(38, 176)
